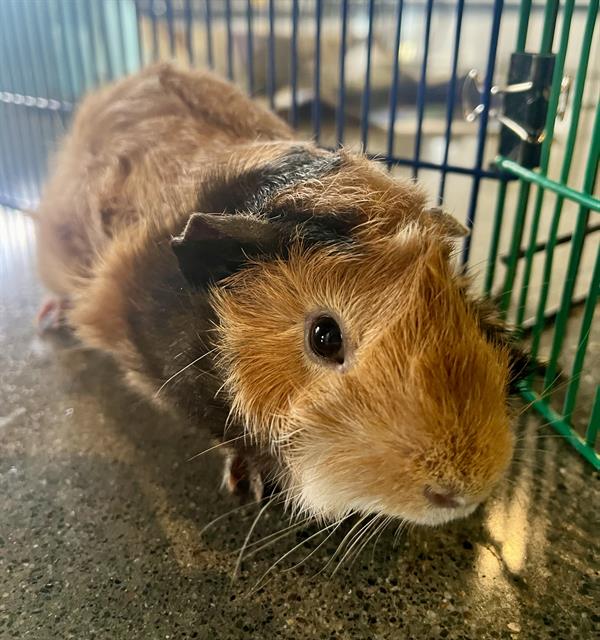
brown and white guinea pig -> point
(187, 232)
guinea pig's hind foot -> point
(240, 478)
(51, 314)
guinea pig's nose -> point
(444, 498)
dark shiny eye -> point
(325, 339)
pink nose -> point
(445, 499)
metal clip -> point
(474, 86)
(521, 106)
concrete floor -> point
(104, 526)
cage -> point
(493, 105)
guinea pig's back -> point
(129, 156)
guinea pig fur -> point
(307, 293)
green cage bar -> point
(550, 15)
(544, 399)
(591, 172)
(592, 431)
(584, 335)
(565, 170)
(545, 159)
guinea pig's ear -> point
(449, 226)
(213, 246)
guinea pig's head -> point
(356, 355)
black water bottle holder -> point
(521, 106)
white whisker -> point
(285, 555)
(216, 446)
(187, 366)
(238, 563)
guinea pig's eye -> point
(325, 339)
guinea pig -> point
(187, 232)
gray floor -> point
(104, 526)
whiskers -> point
(261, 582)
(224, 443)
(185, 368)
(368, 527)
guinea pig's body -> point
(215, 256)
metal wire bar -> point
(170, 27)
(434, 166)
(21, 135)
(5, 179)
(229, 39)
(483, 124)
(250, 46)
(155, 42)
(43, 17)
(209, 38)
(271, 57)
(188, 17)
(139, 33)
(422, 89)
(395, 83)
(451, 101)
(579, 86)
(549, 317)
(545, 156)
(558, 423)
(34, 82)
(77, 53)
(524, 13)
(91, 25)
(584, 199)
(36, 102)
(515, 243)
(110, 69)
(340, 111)
(68, 63)
(294, 65)
(591, 171)
(44, 52)
(550, 15)
(567, 237)
(8, 169)
(584, 335)
(316, 111)
(495, 238)
(366, 97)
(525, 187)
(591, 433)
(123, 67)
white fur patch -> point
(320, 497)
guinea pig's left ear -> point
(213, 246)
(447, 224)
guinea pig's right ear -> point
(213, 246)
(448, 225)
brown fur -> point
(421, 398)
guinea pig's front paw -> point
(51, 314)
(241, 478)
